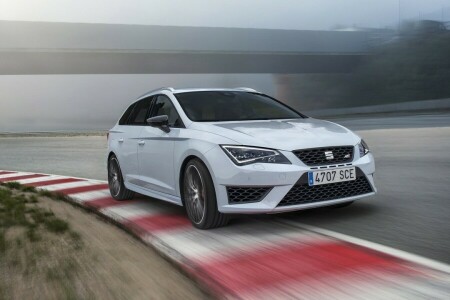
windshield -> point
(216, 106)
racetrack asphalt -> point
(411, 211)
(412, 208)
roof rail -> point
(167, 88)
(155, 90)
(247, 89)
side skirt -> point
(155, 194)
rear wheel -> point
(200, 197)
(115, 181)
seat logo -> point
(329, 155)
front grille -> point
(246, 194)
(325, 155)
(302, 193)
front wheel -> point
(200, 197)
(115, 181)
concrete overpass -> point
(72, 48)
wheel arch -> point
(111, 153)
(183, 168)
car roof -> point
(189, 90)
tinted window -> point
(213, 106)
(163, 106)
(140, 112)
(123, 120)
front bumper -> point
(281, 177)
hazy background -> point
(80, 102)
(413, 69)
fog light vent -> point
(246, 194)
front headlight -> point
(363, 148)
(243, 155)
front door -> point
(156, 149)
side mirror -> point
(161, 122)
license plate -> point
(331, 176)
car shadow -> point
(324, 214)
(357, 210)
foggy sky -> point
(281, 14)
(76, 102)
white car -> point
(234, 151)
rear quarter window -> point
(123, 120)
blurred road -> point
(411, 211)
(412, 208)
(79, 156)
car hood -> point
(282, 134)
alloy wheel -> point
(195, 194)
(114, 177)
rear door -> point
(156, 148)
(128, 141)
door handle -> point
(141, 143)
(120, 140)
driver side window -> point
(163, 106)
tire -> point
(342, 205)
(115, 181)
(200, 197)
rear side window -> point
(140, 112)
(123, 120)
